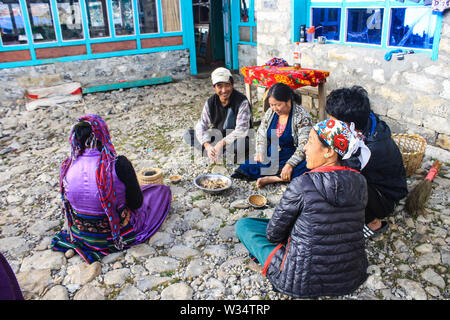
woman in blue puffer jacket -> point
(314, 245)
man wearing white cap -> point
(226, 117)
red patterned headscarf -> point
(104, 172)
(343, 139)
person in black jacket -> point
(385, 172)
(314, 245)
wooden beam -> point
(126, 84)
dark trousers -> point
(190, 138)
(378, 206)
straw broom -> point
(419, 195)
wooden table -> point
(266, 76)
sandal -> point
(369, 233)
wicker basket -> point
(157, 178)
(412, 148)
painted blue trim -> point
(187, 32)
(187, 25)
(235, 24)
(299, 16)
(7, 65)
(437, 35)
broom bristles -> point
(418, 197)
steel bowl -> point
(257, 200)
(212, 176)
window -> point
(40, 14)
(69, 15)
(123, 17)
(364, 25)
(247, 22)
(148, 17)
(171, 15)
(12, 27)
(327, 22)
(412, 28)
(97, 18)
(386, 24)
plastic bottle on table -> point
(297, 56)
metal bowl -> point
(257, 200)
(212, 176)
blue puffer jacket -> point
(319, 223)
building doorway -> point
(209, 34)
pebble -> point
(195, 254)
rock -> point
(130, 293)
(413, 289)
(69, 253)
(82, 273)
(47, 259)
(161, 264)
(57, 292)
(427, 259)
(375, 282)
(90, 292)
(42, 226)
(117, 277)
(33, 282)
(196, 268)
(160, 239)
(150, 282)
(177, 291)
(216, 251)
(240, 204)
(141, 250)
(182, 252)
(431, 276)
(424, 248)
(209, 224)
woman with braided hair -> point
(105, 208)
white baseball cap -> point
(220, 75)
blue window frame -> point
(408, 24)
(35, 24)
(246, 23)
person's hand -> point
(286, 172)
(210, 151)
(218, 150)
(259, 157)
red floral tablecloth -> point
(266, 76)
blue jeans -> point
(252, 233)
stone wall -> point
(247, 55)
(14, 81)
(411, 95)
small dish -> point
(257, 200)
(175, 178)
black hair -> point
(349, 105)
(83, 131)
(282, 92)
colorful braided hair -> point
(104, 172)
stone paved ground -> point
(195, 254)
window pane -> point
(171, 15)
(123, 17)
(244, 10)
(412, 27)
(255, 39)
(40, 13)
(364, 25)
(69, 14)
(148, 17)
(244, 34)
(12, 27)
(327, 22)
(97, 18)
